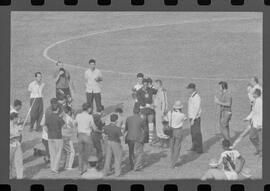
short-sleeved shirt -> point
(230, 155)
(176, 119)
(114, 133)
(226, 97)
(92, 86)
(54, 124)
(36, 89)
(85, 122)
(63, 80)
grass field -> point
(178, 48)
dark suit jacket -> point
(135, 127)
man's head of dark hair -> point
(258, 92)
(226, 144)
(54, 101)
(113, 117)
(67, 109)
(255, 78)
(119, 110)
(136, 110)
(149, 80)
(93, 164)
(85, 106)
(92, 61)
(37, 73)
(17, 103)
(224, 85)
(140, 75)
(145, 81)
(13, 115)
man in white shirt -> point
(36, 101)
(93, 78)
(176, 120)
(255, 118)
(85, 124)
(194, 115)
(254, 83)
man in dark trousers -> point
(145, 101)
(224, 101)
(135, 128)
(194, 115)
(97, 136)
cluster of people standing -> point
(100, 140)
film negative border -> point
(132, 2)
(234, 5)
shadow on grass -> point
(31, 171)
(191, 156)
(30, 144)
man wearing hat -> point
(194, 115)
(176, 120)
(92, 172)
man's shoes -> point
(257, 153)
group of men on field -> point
(99, 143)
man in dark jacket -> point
(97, 136)
(135, 134)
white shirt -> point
(137, 87)
(256, 114)
(176, 119)
(44, 132)
(85, 122)
(252, 90)
(12, 110)
(233, 155)
(36, 89)
(92, 86)
(194, 106)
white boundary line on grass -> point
(45, 52)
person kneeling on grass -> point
(215, 172)
(92, 172)
(68, 133)
(229, 159)
(114, 147)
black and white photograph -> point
(136, 95)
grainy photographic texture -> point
(206, 71)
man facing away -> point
(225, 114)
(255, 119)
(36, 101)
(93, 78)
(114, 147)
(135, 129)
(54, 123)
(97, 137)
(85, 124)
(194, 115)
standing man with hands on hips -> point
(36, 101)
(93, 78)
(194, 115)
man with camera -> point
(63, 83)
